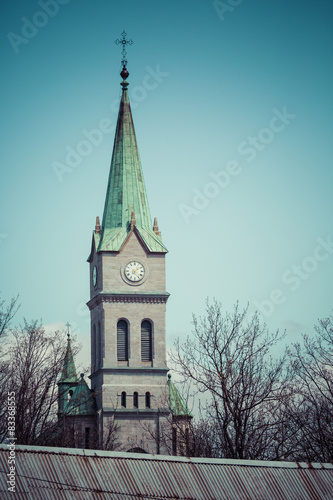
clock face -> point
(134, 271)
(95, 276)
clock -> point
(94, 276)
(134, 271)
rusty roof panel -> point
(51, 473)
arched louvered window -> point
(94, 349)
(147, 399)
(122, 340)
(123, 399)
(99, 347)
(146, 341)
(135, 400)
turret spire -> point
(68, 379)
(69, 371)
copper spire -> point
(126, 191)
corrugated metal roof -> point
(53, 473)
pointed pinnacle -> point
(97, 226)
(156, 228)
(133, 221)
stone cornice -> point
(130, 370)
(133, 412)
(145, 298)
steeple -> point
(126, 191)
(127, 303)
(68, 375)
(68, 379)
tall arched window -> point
(93, 349)
(123, 399)
(122, 340)
(99, 347)
(135, 400)
(146, 341)
(147, 399)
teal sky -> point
(233, 113)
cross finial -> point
(68, 334)
(124, 42)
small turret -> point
(68, 380)
(82, 401)
(181, 421)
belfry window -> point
(122, 340)
(98, 347)
(135, 400)
(94, 348)
(87, 438)
(123, 399)
(147, 399)
(146, 341)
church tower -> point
(128, 302)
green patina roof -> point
(82, 401)
(126, 191)
(177, 404)
(68, 374)
(113, 239)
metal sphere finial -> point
(124, 73)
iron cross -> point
(68, 325)
(124, 42)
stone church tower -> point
(132, 403)
(128, 303)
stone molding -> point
(126, 298)
(132, 370)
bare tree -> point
(312, 366)
(30, 367)
(203, 438)
(34, 363)
(228, 359)
(110, 436)
(7, 313)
